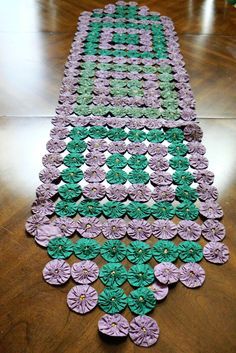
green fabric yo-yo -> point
(174, 135)
(66, 209)
(60, 248)
(140, 275)
(86, 249)
(117, 134)
(112, 300)
(141, 301)
(179, 163)
(189, 251)
(163, 210)
(177, 149)
(187, 210)
(113, 275)
(116, 176)
(137, 176)
(165, 251)
(98, 132)
(138, 162)
(181, 178)
(155, 135)
(116, 160)
(79, 132)
(77, 146)
(88, 208)
(72, 175)
(139, 252)
(138, 210)
(74, 160)
(185, 192)
(70, 191)
(114, 209)
(113, 250)
(136, 135)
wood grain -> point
(36, 36)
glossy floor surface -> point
(35, 38)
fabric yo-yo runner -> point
(125, 160)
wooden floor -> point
(35, 37)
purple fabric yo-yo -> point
(144, 331)
(113, 325)
(192, 275)
(215, 252)
(84, 272)
(166, 273)
(56, 272)
(82, 299)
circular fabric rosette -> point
(182, 178)
(215, 252)
(89, 208)
(166, 273)
(165, 251)
(60, 248)
(187, 210)
(159, 290)
(117, 192)
(139, 229)
(86, 249)
(163, 210)
(116, 176)
(140, 275)
(113, 274)
(56, 272)
(84, 272)
(114, 209)
(141, 301)
(138, 162)
(164, 229)
(34, 222)
(89, 227)
(174, 135)
(114, 228)
(139, 192)
(66, 209)
(72, 175)
(144, 331)
(189, 230)
(138, 210)
(112, 300)
(113, 251)
(191, 275)
(116, 160)
(94, 191)
(139, 252)
(113, 325)
(74, 160)
(45, 233)
(82, 299)
(190, 251)
(70, 192)
(66, 224)
(213, 230)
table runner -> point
(125, 178)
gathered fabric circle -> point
(140, 275)
(112, 300)
(113, 251)
(141, 301)
(113, 274)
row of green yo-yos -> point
(137, 210)
(115, 251)
(173, 136)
